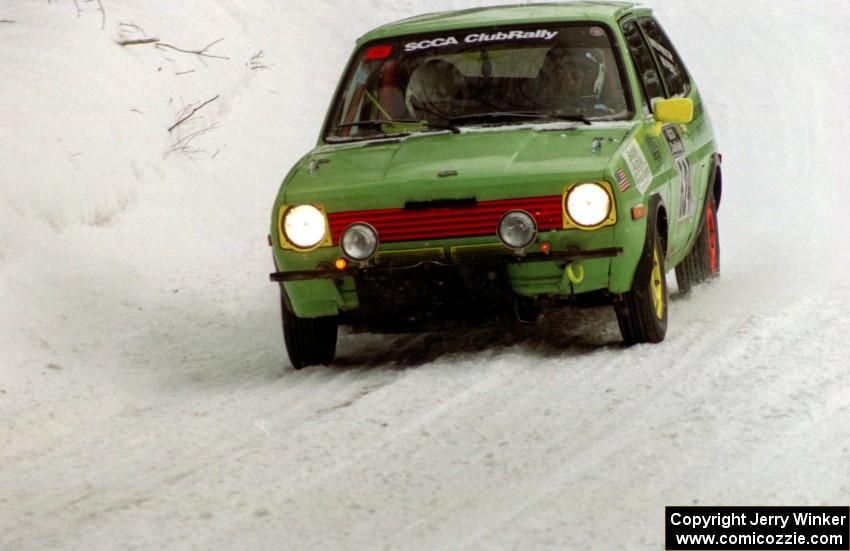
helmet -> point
(572, 72)
(433, 89)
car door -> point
(664, 154)
(686, 142)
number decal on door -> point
(683, 167)
(686, 205)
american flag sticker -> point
(624, 181)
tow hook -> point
(575, 278)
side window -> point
(642, 58)
(672, 68)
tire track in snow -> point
(669, 476)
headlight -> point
(588, 204)
(359, 242)
(517, 229)
(304, 226)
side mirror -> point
(675, 111)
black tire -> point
(309, 341)
(688, 272)
(703, 260)
(642, 312)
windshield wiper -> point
(378, 123)
(500, 115)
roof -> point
(503, 15)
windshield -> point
(437, 82)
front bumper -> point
(474, 289)
(601, 261)
(568, 256)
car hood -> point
(489, 164)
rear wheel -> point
(642, 312)
(703, 261)
(309, 341)
(712, 231)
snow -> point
(145, 398)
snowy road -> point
(145, 400)
(556, 440)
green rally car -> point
(494, 162)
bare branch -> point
(99, 8)
(132, 35)
(137, 41)
(133, 28)
(184, 145)
(189, 138)
(203, 52)
(258, 62)
(6, 21)
(102, 14)
(184, 73)
(192, 113)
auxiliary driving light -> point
(517, 229)
(588, 204)
(359, 242)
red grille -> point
(440, 223)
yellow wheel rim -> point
(657, 285)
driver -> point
(570, 80)
(435, 90)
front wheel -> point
(642, 312)
(309, 341)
